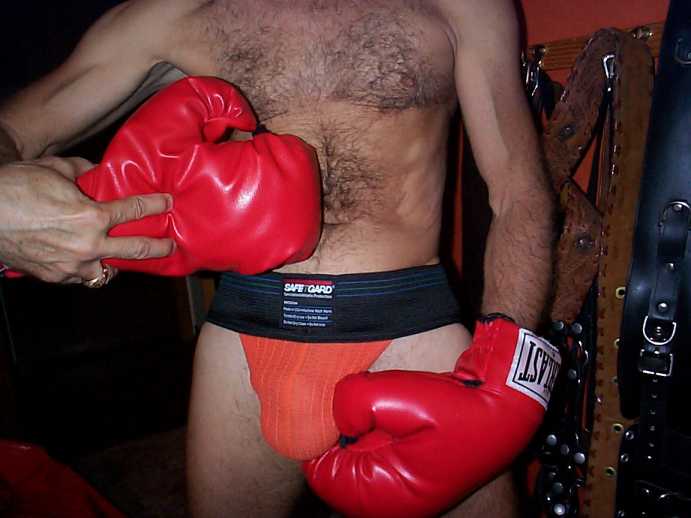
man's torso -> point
(370, 86)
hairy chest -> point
(386, 55)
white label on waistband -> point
(307, 303)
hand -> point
(416, 443)
(50, 230)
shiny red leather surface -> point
(426, 440)
(33, 485)
(246, 206)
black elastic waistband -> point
(335, 308)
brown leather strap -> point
(565, 141)
(562, 54)
(618, 200)
(595, 242)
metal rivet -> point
(565, 133)
(610, 472)
(583, 243)
(662, 307)
(617, 427)
(671, 266)
(557, 488)
(624, 458)
(616, 343)
(579, 458)
(572, 374)
(565, 450)
(576, 328)
(621, 514)
(615, 380)
(620, 292)
(551, 440)
(629, 435)
(677, 207)
(559, 509)
(643, 33)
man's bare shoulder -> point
(143, 21)
(476, 17)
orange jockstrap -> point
(295, 384)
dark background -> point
(88, 368)
(36, 36)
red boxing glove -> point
(416, 443)
(246, 206)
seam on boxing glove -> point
(345, 440)
(489, 317)
(260, 129)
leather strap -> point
(572, 127)
(618, 199)
(607, 98)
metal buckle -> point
(608, 65)
(675, 206)
(658, 342)
(655, 363)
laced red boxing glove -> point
(415, 443)
(246, 206)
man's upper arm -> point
(493, 102)
(97, 83)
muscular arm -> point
(123, 58)
(518, 258)
(47, 226)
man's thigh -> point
(434, 351)
(230, 469)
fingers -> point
(137, 247)
(136, 207)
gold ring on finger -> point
(107, 273)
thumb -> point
(393, 402)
